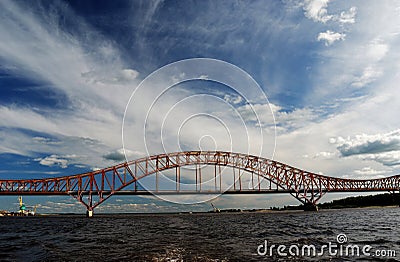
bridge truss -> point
(185, 173)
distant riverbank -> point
(381, 200)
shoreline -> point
(222, 212)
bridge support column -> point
(395, 197)
(310, 207)
(89, 213)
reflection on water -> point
(194, 237)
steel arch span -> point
(250, 175)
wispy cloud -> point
(368, 171)
(85, 67)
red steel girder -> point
(99, 185)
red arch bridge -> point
(195, 172)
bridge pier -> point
(395, 197)
(310, 207)
(89, 213)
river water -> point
(205, 237)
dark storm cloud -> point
(369, 147)
(115, 156)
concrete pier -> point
(310, 207)
(89, 213)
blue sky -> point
(329, 70)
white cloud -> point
(377, 49)
(53, 160)
(121, 77)
(347, 17)
(325, 155)
(330, 37)
(45, 140)
(203, 77)
(233, 99)
(317, 10)
(286, 120)
(369, 75)
(371, 116)
(295, 119)
(86, 68)
(14, 117)
(390, 159)
(368, 171)
(368, 58)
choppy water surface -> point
(195, 237)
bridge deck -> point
(227, 173)
(182, 192)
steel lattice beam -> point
(93, 188)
